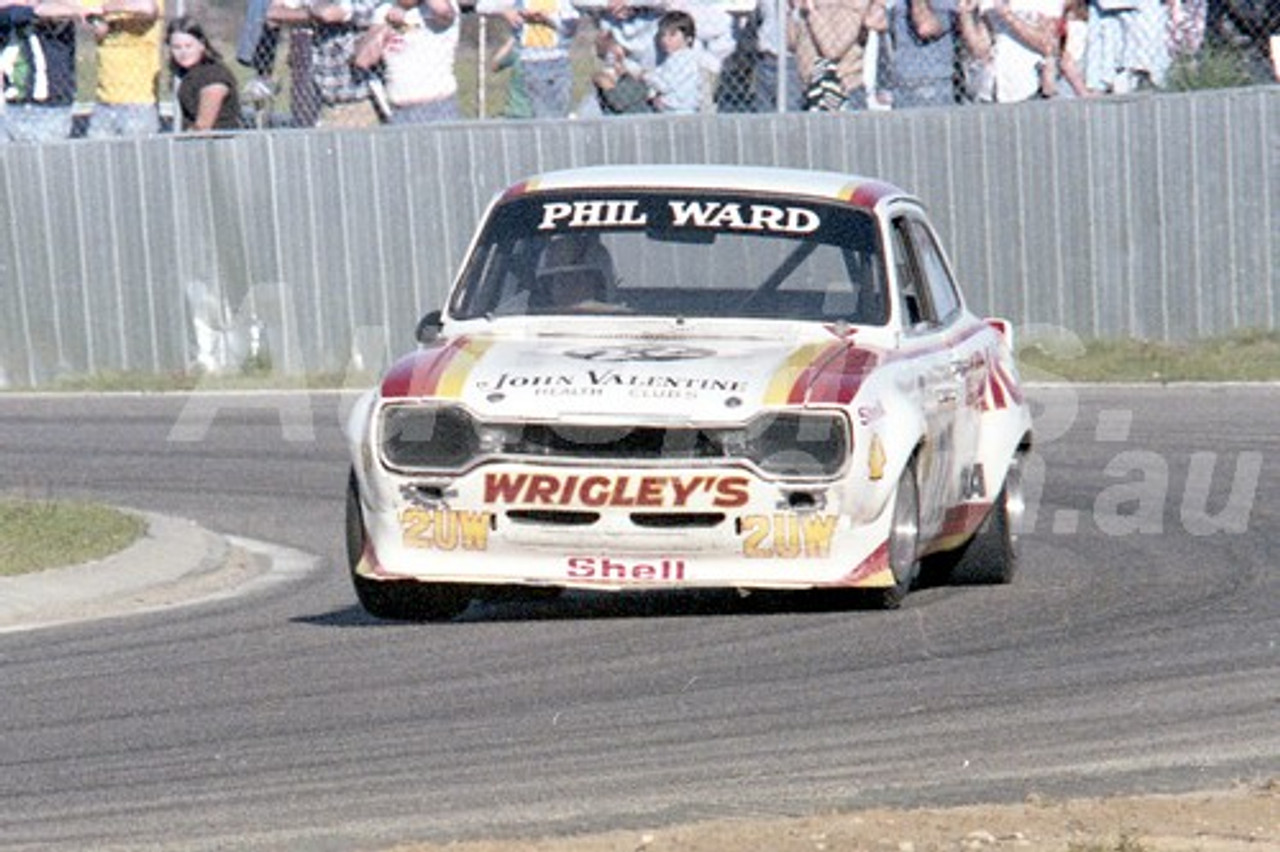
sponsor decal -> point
(599, 380)
(445, 529)
(876, 459)
(868, 414)
(567, 390)
(604, 568)
(603, 490)
(976, 380)
(744, 217)
(787, 536)
(706, 215)
(642, 352)
(592, 214)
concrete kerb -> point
(176, 562)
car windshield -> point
(675, 254)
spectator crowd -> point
(365, 62)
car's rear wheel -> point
(396, 600)
(991, 556)
(904, 540)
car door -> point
(969, 361)
(944, 360)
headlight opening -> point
(428, 437)
(796, 444)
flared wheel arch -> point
(395, 600)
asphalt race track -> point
(1136, 652)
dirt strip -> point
(1245, 819)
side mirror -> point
(429, 327)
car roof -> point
(852, 189)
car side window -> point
(913, 301)
(942, 290)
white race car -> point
(690, 377)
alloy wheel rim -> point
(905, 531)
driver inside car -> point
(575, 271)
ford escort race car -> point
(688, 377)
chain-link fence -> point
(297, 63)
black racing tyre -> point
(410, 600)
(507, 594)
(904, 541)
(991, 556)
(396, 600)
(355, 522)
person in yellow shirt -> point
(544, 30)
(129, 35)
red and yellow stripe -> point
(866, 193)
(1001, 388)
(791, 379)
(829, 372)
(439, 372)
(959, 524)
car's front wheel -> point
(904, 540)
(396, 600)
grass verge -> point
(39, 534)
(1247, 356)
(249, 380)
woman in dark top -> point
(206, 87)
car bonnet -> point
(633, 380)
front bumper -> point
(584, 528)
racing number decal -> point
(445, 529)
(787, 536)
(973, 483)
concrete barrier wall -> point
(1154, 217)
